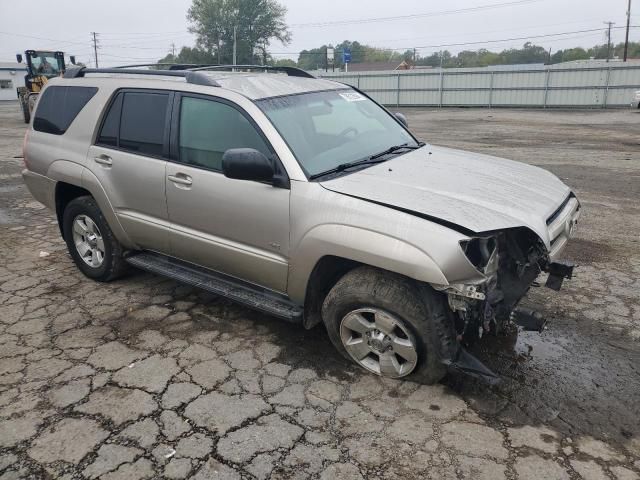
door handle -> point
(181, 179)
(103, 160)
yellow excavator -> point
(42, 65)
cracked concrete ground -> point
(147, 378)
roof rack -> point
(172, 66)
(291, 71)
(197, 78)
(191, 75)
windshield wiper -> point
(373, 159)
(394, 149)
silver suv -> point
(302, 198)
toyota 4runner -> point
(299, 197)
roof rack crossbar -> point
(190, 76)
(291, 71)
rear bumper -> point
(41, 187)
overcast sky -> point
(138, 31)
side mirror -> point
(247, 164)
(72, 59)
(401, 118)
(19, 57)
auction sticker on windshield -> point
(352, 97)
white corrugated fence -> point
(598, 85)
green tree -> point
(283, 62)
(190, 56)
(569, 55)
(435, 59)
(529, 53)
(257, 23)
(313, 59)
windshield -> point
(327, 129)
(45, 63)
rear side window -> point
(59, 106)
(136, 122)
(142, 122)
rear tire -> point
(91, 243)
(384, 318)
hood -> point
(476, 192)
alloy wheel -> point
(379, 342)
(88, 241)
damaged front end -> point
(509, 261)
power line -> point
(460, 44)
(42, 38)
(471, 34)
(415, 15)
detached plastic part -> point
(558, 271)
(470, 365)
(528, 319)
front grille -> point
(561, 224)
(559, 210)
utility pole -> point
(626, 38)
(235, 30)
(95, 47)
(173, 49)
(610, 25)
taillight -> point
(24, 149)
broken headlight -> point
(479, 250)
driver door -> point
(236, 227)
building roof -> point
(12, 66)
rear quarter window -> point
(59, 106)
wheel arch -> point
(66, 191)
(323, 257)
(325, 274)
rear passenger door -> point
(240, 228)
(129, 159)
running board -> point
(254, 297)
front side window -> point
(327, 129)
(209, 128)
(142, 122)
(59, 106)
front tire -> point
(389, 324)
(91, 243)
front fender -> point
(360, 245)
